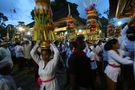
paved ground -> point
(26, 79)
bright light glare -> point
(100, 31)
(52, 0)
(66, 33)
(21, 29)
(28, 33)
(80, 30)
(119, 23)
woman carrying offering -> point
(47, 65)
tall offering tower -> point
(92, 22)
(70, 19)
(70, 24)
(43, 29)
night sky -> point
(19, 10)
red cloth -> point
(39, 81)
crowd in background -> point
(86, 63)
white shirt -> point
(93, 57)
(27, 49)
(98, 49)
(115, 59)
(127, 45)
(46, 72)
(19, 51)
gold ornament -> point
(45, 45)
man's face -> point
(131, 33)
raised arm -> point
(34, 54)
(52, 64)
(30, 43)
(56, 52)
(118, 58)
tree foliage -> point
(3, 18)
(11, 31)
(3, 30)
(32, 14)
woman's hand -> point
(38, 42)
(128, 58)
(54, 48)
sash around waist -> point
(114, 66)
(40, 81)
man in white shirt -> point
(127, 41)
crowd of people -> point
(86, 63)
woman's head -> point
(45, 54)
(112, 44)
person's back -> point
(80, 67)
